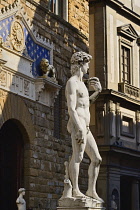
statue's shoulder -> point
(71, 81)
(71, 86)
(17, 201)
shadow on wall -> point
(27, 38)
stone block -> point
(85, 203)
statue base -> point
(86, 203)
(80, 208)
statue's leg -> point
(77, 156)
(93, 171)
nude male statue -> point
(78, 102)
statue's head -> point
(44, 64)
(78, 59)
(21, 190)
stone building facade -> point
(34, 142)
(115, 46)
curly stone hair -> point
(78, 59)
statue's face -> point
(23, 192)
(85, 67)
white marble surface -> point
(21, 203)
(78, 102)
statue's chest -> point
(82, 91)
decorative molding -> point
(127, 31)
(122, 96)
(17, 36)
(8, 10)
(16, 82)
(46, 90)
(2, 62)
(43, 90)
(18, 11)
(120, 8)
(28, 42)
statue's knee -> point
(100, 160)
(97, 161)
(79, 158)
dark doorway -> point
(125, 193)
(11, 164)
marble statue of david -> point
(78, 102)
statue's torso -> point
(82, 103)
(21, 204)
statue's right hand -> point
(79, 137)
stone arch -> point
(13, 107)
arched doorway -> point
(11, 164)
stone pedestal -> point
(79, 203)
(80, 208)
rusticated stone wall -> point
(45, 152)
(79, 15)
(47, 156)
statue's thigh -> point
(91, 147)
(78, 149)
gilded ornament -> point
(17, 36)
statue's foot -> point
(78, 194)
(95, 196)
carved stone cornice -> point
(120, 95)
(46, 90)
(2, 62)
(43, 90)
(127, 31)
(16, 82)
(119, 7)
(120, 149)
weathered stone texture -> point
(45, 154)
(79, 15)
(46, 159)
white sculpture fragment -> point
(21, 203)
(67, 193)
(113, 203)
